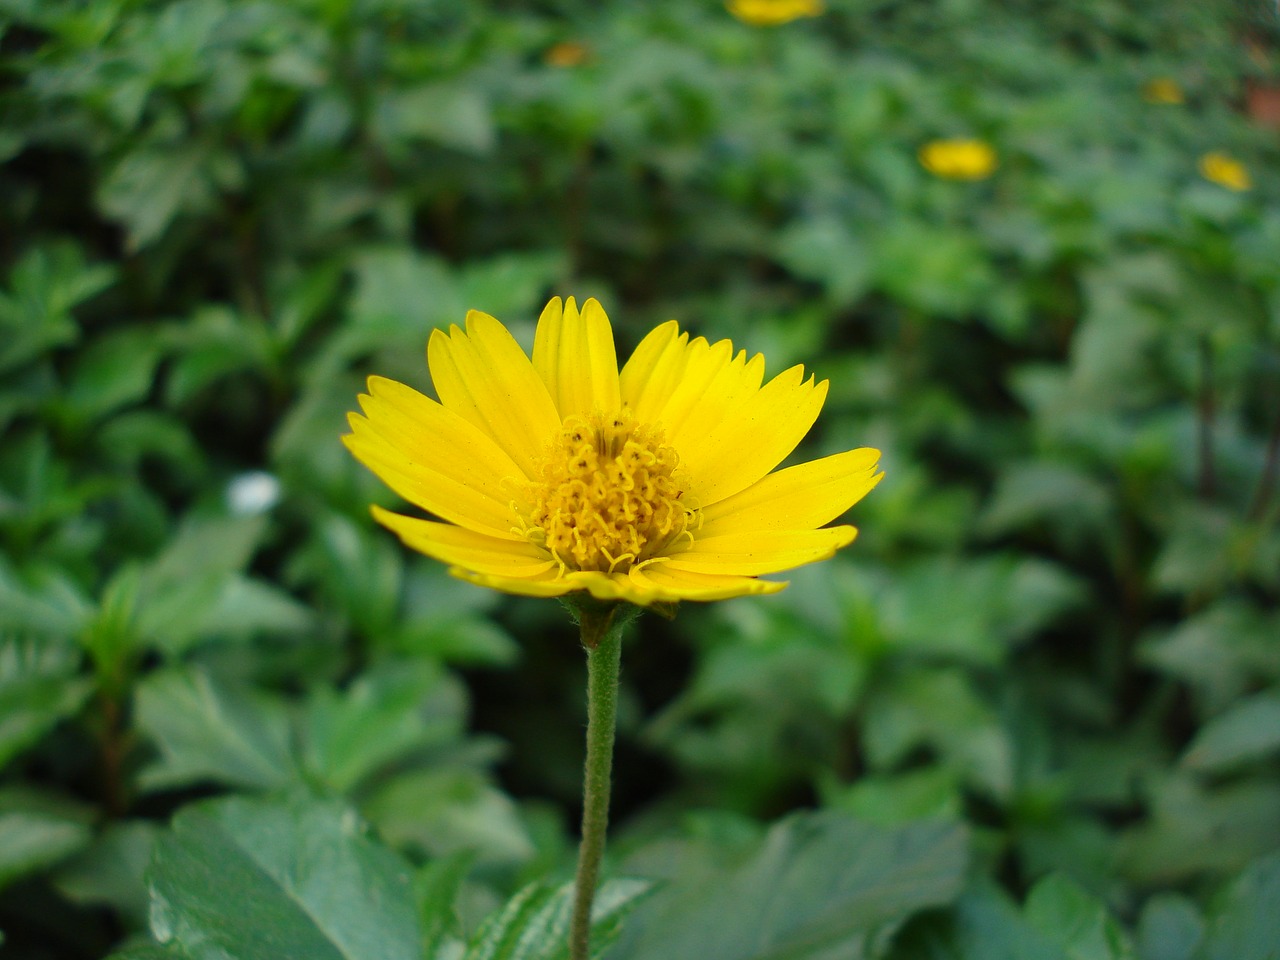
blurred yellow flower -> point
(560, 474)
(772, 13)
(959, 159)
(1225, 170)
(1163, 90)
(568, 53)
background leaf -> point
(293, 876)
(819, 886)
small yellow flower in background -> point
(569, 53)
(958, 159)
(772, 13)
(560, 474)
(1225, 170)
(1163, 90)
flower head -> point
(567, 53)
(560, 474)
(958, 159)
(1163, 90)
(773, 13)
(1225, 171)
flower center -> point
(608, 496)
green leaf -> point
(37, 831)
(113, 372)
(39, 685)
(821, 885)
(437, 886)
(193, 590)
(1170, 928)
(212, 344)
(398, 288)
(128, 437)
(451, 113)
(1220, 651)
(205, 545)
(208, 732)
(178, 619)
(289, 877)
(940, 709)
(1247, 731)
(46, 284)
(110, 870)
(1195, 828)
(534, 925)
(933, 269)
(1076, 921)
(1244, 922)
(1059, 495)
(385, 715)
(45, 603)
(824, 249)
(511, 286)
(361, 569)
(442, 811)
(976, 608)
(150, 951)
(890, 800)
(983, 925)
(148, 188)
(464, 640)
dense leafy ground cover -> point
(1034, 712)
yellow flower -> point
(1225, 170)
(772, 13)
(561, 474)
(1162, 90)
(958, 159)
(566, 54)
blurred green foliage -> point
(1037, 705)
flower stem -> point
(602, 638)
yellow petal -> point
(433, 458)
(655, 583)
(466, 548)
(797, 498)
(674, 584)
(574, 355)
(457, 502)
(654, 370)
(753, 439)
(543, 585)
(731, 386)
(602, 586)
(751, 554)
(485, 378)
(702, 363)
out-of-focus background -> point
(1035, 247)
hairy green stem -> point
(602, 638)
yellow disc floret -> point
(608, 495)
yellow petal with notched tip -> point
(466, 548)
(750, 443)
(751, 554)
(733, 384)
(674, 585)
(483, 376)
(444, 496)
(574, 355)
(433, 458)
(797, 498)
(654, 371)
